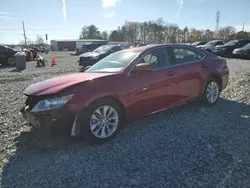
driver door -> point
(150, 91)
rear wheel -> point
(212, 92)
(11, 61)
(102, 121)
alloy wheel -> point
(212, 92)
(11, 61)
(104, 121)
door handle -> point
(170, 73)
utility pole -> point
(243, 27)
(217, 25)
(24, 33)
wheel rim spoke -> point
(212, 92)
(104, 121)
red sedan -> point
(125, 86)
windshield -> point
(115, 62)
(231, 42)
(195, 43)
(247, 45)
(210, 43)
(103, 49)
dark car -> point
(197, 43)
(86, 48)
(243, 52)
(228, 48)
(7, 56)
(125, 86)
(90, 58)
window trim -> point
(166, 46)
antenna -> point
(243, 27)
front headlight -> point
(51, 103)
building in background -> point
(71, 45)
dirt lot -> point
(189, 146)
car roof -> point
(152, 46)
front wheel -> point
(212, 92)
(102, 121)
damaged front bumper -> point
(55, 120)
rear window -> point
(186, 55)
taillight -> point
(224, 61)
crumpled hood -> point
(90, 54)
(54, 85)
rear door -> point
(151, 91)
(3, 54)
(187, 66)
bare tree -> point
(39, 40)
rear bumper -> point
(224, 78)
(240, 54)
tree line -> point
(160, 31)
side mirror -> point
(142, 67)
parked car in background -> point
(228, 48)
(243, 52)
(209, 46)
(198, 43)
(125, 86)
(86, 48)
(90, 58)
(7, 55)
(31, 54)
(138, 45)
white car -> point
(211, 45)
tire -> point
(11, 61)
(213, 86)
(88, 121)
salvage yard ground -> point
(188, 146)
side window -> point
(157, 58)
(219, 43)
(185, 55)
(2, 49)
(244, 42)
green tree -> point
(242, 35)
(104, 35)
(90, 32)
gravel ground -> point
(188, 146)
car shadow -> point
(17, 70)
(5, 66)
(31, 149)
